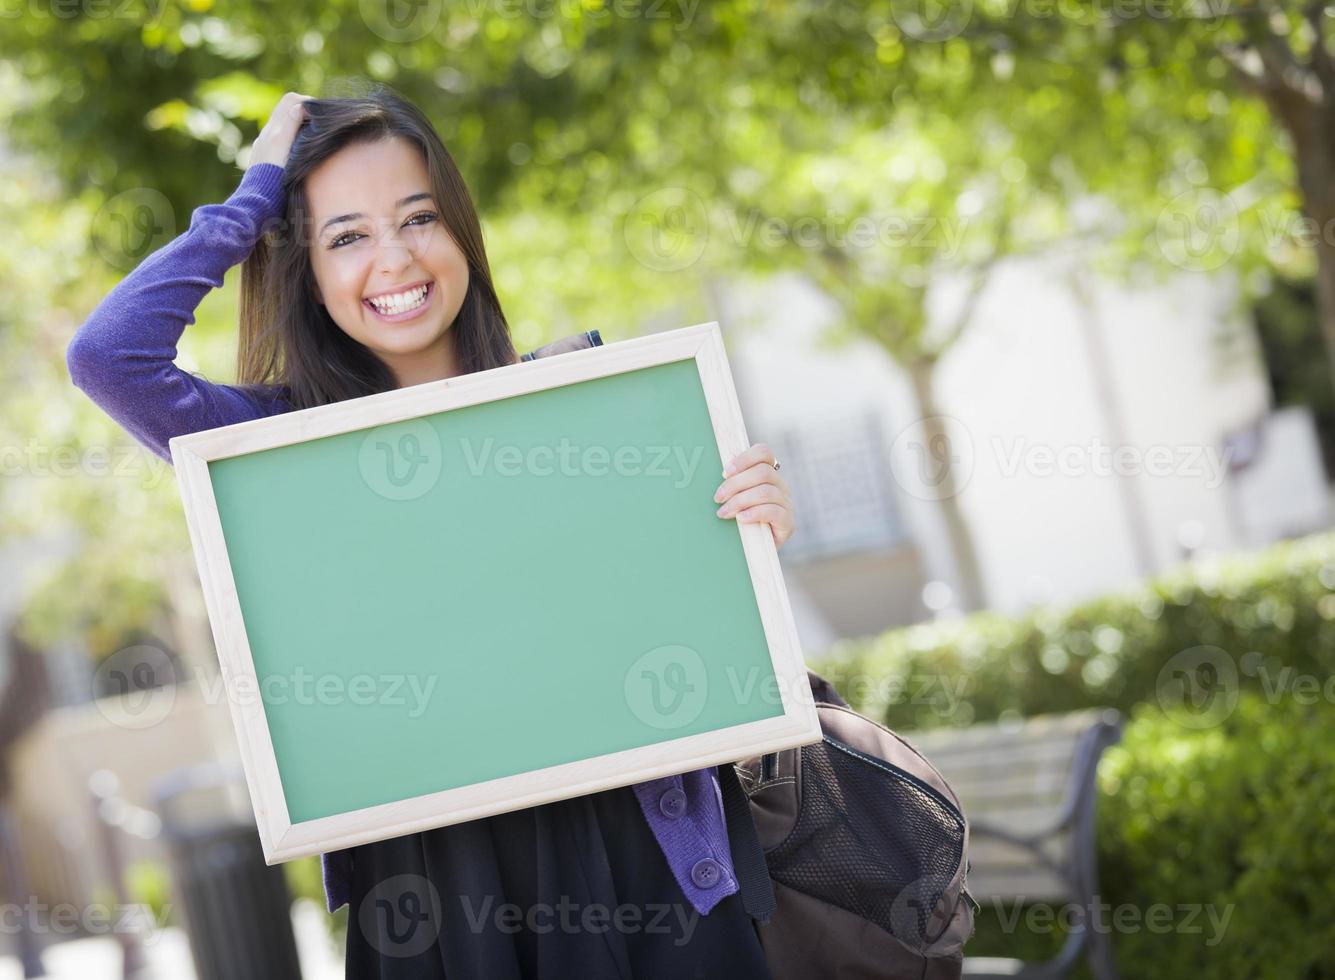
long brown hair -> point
(287, 340)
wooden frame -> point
(282, 839)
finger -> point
(292, 105)
(285, 115)
(749, 477)
(764, 493)
(769, 513)
(778, 518)
(758, 453)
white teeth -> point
(400, 302)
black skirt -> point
(573, 890)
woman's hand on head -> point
(275, 140)
(754, 491)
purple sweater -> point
(123, 358)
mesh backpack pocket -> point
(873, 840)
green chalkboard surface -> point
(440, 601)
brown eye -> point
(339, 242)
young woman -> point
(365, 272)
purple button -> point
(707, 873)
(672, 803)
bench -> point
(1029, 794)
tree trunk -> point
(1325, 287)
(1311, 127)
(1299, 92)
(1128, 488)
(968, 582)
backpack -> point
(850, 854)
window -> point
(843, 493)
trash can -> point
(236, 909)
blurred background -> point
(1035, 300)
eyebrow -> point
(404, 202)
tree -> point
(1209, 127)
(617, 95)
(588, 131)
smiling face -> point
(386, 267)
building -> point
(1038, 395)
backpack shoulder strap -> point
(748, 858)
(823, 690)
(576, 341)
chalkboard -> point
(474, 595)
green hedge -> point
(1236, 820)
(1214, 851)
(1266, 612)
(1216, 810)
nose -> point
(392, 254)
(392, 259)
